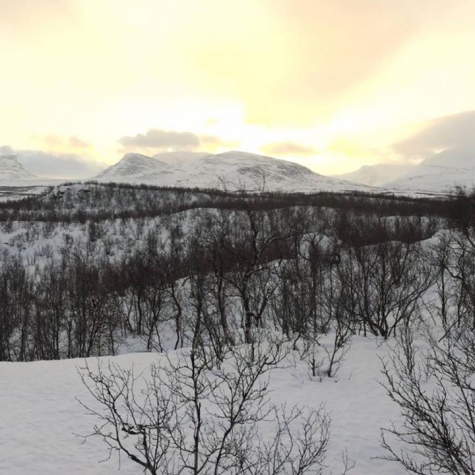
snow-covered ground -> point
(42, 420)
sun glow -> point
(321, 79)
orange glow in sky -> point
(331, 84)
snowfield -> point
(42, 420)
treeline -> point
(78, 203)
(219, 273)
(302, 271)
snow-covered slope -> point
(235, 170)
(11, 170)
(376, 175)
(132, 166)
(440, 173)
(453, 158)
(179, 158)
(42, 420)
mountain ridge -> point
(11, 169)
(376, 175)
(236, 170)
(132, 166)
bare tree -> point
(185, 418)
(385, 283)
(436, 394)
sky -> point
(330, 84)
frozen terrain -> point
(78, 232)
(42, 419)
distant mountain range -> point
(231, 170)
(439, 173)
(179, 158)
(11, 170)
(377, 175)
(132, 167)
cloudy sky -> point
(331, 84)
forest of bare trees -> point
(243, 284)
(299, 270)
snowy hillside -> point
(440, 173)
(376, 175)
(16, 182)
(234, 170)
(40, 412)
(179, 158)
(131, 167)
(12, 170)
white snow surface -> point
(377, 175)
(440, 173)
(12, 170)
(435, 179)
(131, 167)
(179, 158)
(42, 418)
(234, 171)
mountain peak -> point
(12, 169)
(234, 169)
(179, 157)
(131, 166)
(452, 157)
(379, 174)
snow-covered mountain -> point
(377, 175)
(132, 167)
(11, 170)
(439, 173)
(179, 158)
(16, 182)
(232, 170)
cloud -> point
(21, 16)
(55, 165)
(298, 65)
(453, 131)
(213, 142)
(285, 149)
(59, 165)
(162, 139)
(76, 142)
(156, 140)
(58, 143)
(211, 121)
